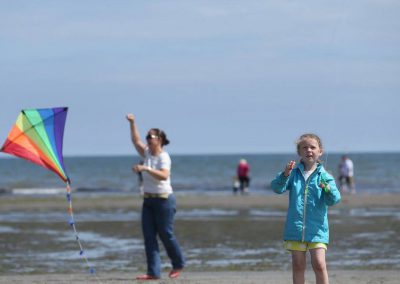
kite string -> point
(326, 160)
(72, 224)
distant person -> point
(235, 185)
(243, 170)
(346, 175)
(311, 191)
(159, 204)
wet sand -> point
(220, 275)
(134, 202)
(243, 277)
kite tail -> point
(72, 224)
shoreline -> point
(224, 277)
(279, 202)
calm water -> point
(202, 174)
(213, 239)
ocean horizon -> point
(193, 173)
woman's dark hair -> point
(162, 135)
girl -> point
(311, 191)
(159, 204)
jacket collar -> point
(300, 166)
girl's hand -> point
(325, 186)
(289, 167)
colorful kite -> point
(37, 136)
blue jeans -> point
(158, 219)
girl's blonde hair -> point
(308, 135)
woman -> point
(159, 204)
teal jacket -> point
(307, 216)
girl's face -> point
(309, 151)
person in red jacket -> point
(243, 176)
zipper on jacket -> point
(305, 203)
(305, 210)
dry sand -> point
(26, 203)
(243, 277)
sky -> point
(217, 76)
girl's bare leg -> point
(319, 265)
(298, 266)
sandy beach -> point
(259, 273)
(242, 277)
(279, 202)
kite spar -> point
(37, 136)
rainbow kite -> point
(37, 136)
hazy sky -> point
(217, 76)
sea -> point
(212, 239)
(375, 173)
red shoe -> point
(147, 277)
(174, 274)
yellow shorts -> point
(303, 246)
